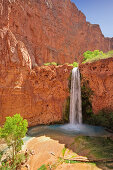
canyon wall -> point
(99, 75)
(52, 30)
(38, 94)
(36, 31)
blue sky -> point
(98, 12)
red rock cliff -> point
(52, 30)
(100, 77)
(38, 94)
(38, 31)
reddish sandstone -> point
(52, 30)
(100, 77)
(36, 31)
(39, 95)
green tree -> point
(93, 55)
(13, 131)
(75, 64)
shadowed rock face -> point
(100, 77)
(52, 30)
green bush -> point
(12, 132)
(75, 64)
(90, 56)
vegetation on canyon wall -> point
(74, 64)
(103, 118)
(66, 110)
(91, 56)
(12, 133)
(86, 93)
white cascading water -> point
(75, 98)
(75, 127)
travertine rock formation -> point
(52, 30)
(38, 94)
(100, 77)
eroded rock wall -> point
(52, 30)
(99, 74)
(36, 31)
(38, 94)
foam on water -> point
(83, 129)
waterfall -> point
(75, 98)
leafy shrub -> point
(53, 63)
(90, 56)
(46, 64)
(12, 132)
(75, 64)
